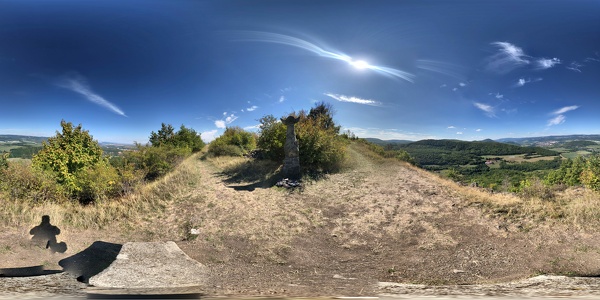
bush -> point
(4, 160)
(185, 137)
(272, 138)
(20, 182)
(99, 182)
(150, 162)
(235, 141)
(322, 149)
(68, 155)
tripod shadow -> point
(46, 233)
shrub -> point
(185, 137)
(98, 182)
(151, 162)
(321, 147)
(67, 155)
(272, 138)
(20, 182)
(235, 141)
(4, 160)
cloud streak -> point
(268, 37)
(507, 58)
(77, 83)
(489, 110)
(559, 116)
(343, 98)
(228, 120)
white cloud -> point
(478, 129)
(351, 99)
(224, 113)
(281, 99)
(565, 109)
(208, 136)
(451, 127)
(462, 84)
(455, 89)
(498, 96)
(557, 120)
(508, 58)
(252, 108)
(443, 85)
(523, 81)
(489, 110)
(559, 117)
(77, 83)
(223, 123)
(575, 66)
(459, 132)
(546, 63)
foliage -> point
(4, 160)
(27, 151)
(321, 147)
(67, 156)
(235, 141)
(185, 137)
(98, 182)
(149, 162)
(20, 182)
(388, 152)
(271, 137)
(581, 170)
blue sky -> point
(412, 70)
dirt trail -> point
(380, 221)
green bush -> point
(235, 141)
(321, 147)
(4, 160)
(151, 162)
(20, 182)
(67, 156)
(185, 137)
(98, 182)
(272, 138)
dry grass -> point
(127, 211)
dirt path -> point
(381, 221)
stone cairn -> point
(291, 162)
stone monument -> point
(291, 162)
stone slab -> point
(142, 265)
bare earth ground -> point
(350, 234)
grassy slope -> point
(379, 220)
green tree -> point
(185, 137)
(4, 160)
(271, 137)
(68, 152)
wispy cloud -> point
(253, 127)
(281, 99)
(559, 116)
(351, 99)
(557, 120)
(522, 81)
(78, 84)
(575, 66)
(228, 120)
(443, 85)
(451, 127)
(498, 96)
(546, 63)
(478, 129)
(462, 84)
(489, 110)
(459, 132)
(252, 108)
(565, 109)
(507, 58)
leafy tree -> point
(322, 114)
(271, 137)
(67, 153)
(185, 137)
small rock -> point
(456, 271)
(195, 231)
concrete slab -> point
(142, 265)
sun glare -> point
(360, 64)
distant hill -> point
(545, 141)
(385, 142)
(9, 138)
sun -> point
(360, 64)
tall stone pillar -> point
(291, 162)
